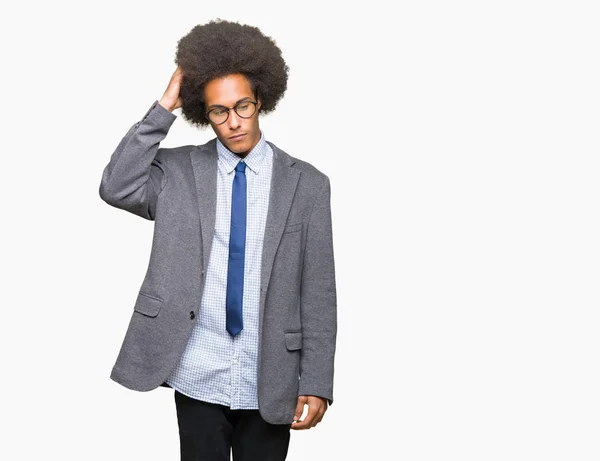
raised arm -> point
(136, 172)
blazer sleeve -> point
(135, 174)
(318, 302)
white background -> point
(461, 140)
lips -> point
(237, 137)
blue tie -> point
(237, 252)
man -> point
(237, 310)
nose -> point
(234, 120)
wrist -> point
(166, 105)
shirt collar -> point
(253, 160)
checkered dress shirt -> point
(216, 367)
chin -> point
(237, 148)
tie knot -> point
(241, 166)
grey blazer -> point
(176, 188)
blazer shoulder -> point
(179, 153)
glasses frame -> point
(229, 109)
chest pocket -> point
(292, 228)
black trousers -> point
(210, 432)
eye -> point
(219, 111)
(243, 106)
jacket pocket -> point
(147, 304)
(292, 228)
(293, 340)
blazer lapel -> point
(204, 165)
(284, 180)
(283, 185)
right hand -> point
(170, 99)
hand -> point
(171, 99)
(316, 409)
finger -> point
(300, 425)
(308, 420)
(320, 419)
(322, 408)
(320, 414)
(299, 408)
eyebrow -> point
(212, 106)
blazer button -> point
(192, 315)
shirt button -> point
(235, 361)
(192, 315)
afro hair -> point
(220, 48)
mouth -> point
(237, 137)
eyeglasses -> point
(244, 109)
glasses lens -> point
(218, 115)
(246, 109)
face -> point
(238, 134)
